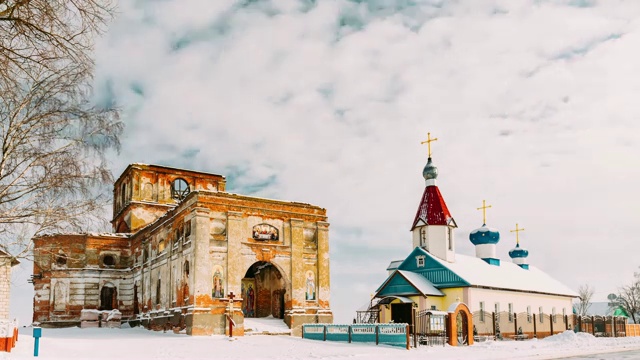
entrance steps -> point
(265, 326)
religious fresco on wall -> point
(265, 232)
(310, 287)
(249, 297)
(218, 280)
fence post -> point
(415, 325)
(566, 322)
(535, 327)
(613, 331)
(551, 319)
(515, 324)
(303, 331)
(377, 333)
(408, 337)
(324, 332)
(579, 323)
(593, 325)
(493, 318)
(349, 334)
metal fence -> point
(388, 334)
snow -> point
(138, 343)
(506, 276)
(271, 325)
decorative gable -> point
(439, 275)
(396, 285)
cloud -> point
(533, 102)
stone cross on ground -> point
(517, 231)
(230, 297)
(428, 142)
(484, 208)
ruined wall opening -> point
(263, 291)
(108, 297)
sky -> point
(326, 102)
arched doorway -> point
(459, 325)
(263, 290)
(108, 297)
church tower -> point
(519, 254)
(433, 226)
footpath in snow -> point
(138, 343)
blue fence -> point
(388, 334)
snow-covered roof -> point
(394, 264)
(421, 283)
(507, 276)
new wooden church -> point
(434, 277)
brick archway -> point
(263, 291)
(459, 314)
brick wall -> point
(5, 284)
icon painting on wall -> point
(249, 297)
(310, 288)
(218, 275)
(265, 232)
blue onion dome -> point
(430, 171)
(518, 252)
(484, 235)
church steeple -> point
(433, 224)
(518, 254)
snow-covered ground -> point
(138, 343)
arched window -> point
(186, 268)
(179, 189)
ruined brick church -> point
(181, 245)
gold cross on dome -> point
(484, 208)
(428, 142)
(517, 230)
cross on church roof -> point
(428, 142)
(517, 230)
(484, 208)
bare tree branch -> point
(585, 292)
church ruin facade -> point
(182, 245)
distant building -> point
(182, 245)
(605, 308)
(434, 277)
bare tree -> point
(585, 293)
(52, 170)
(53, 138)
(49, 34)
(629, 297)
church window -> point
(181, 232)
(510, 312)
(61, 259)
(564, 313)
(541, 314)
(123, 194)
(158, 290)
(553, 314)
(423, 237)
(145, 255)
(528, 313)
(109, 260)
(161, 245)
(187, 228)
(420, 261)
(179, 189)
(481, 311)
(186, 268)
(450, 238)
(496, 309)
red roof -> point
(433, 210)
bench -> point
(520, 337)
